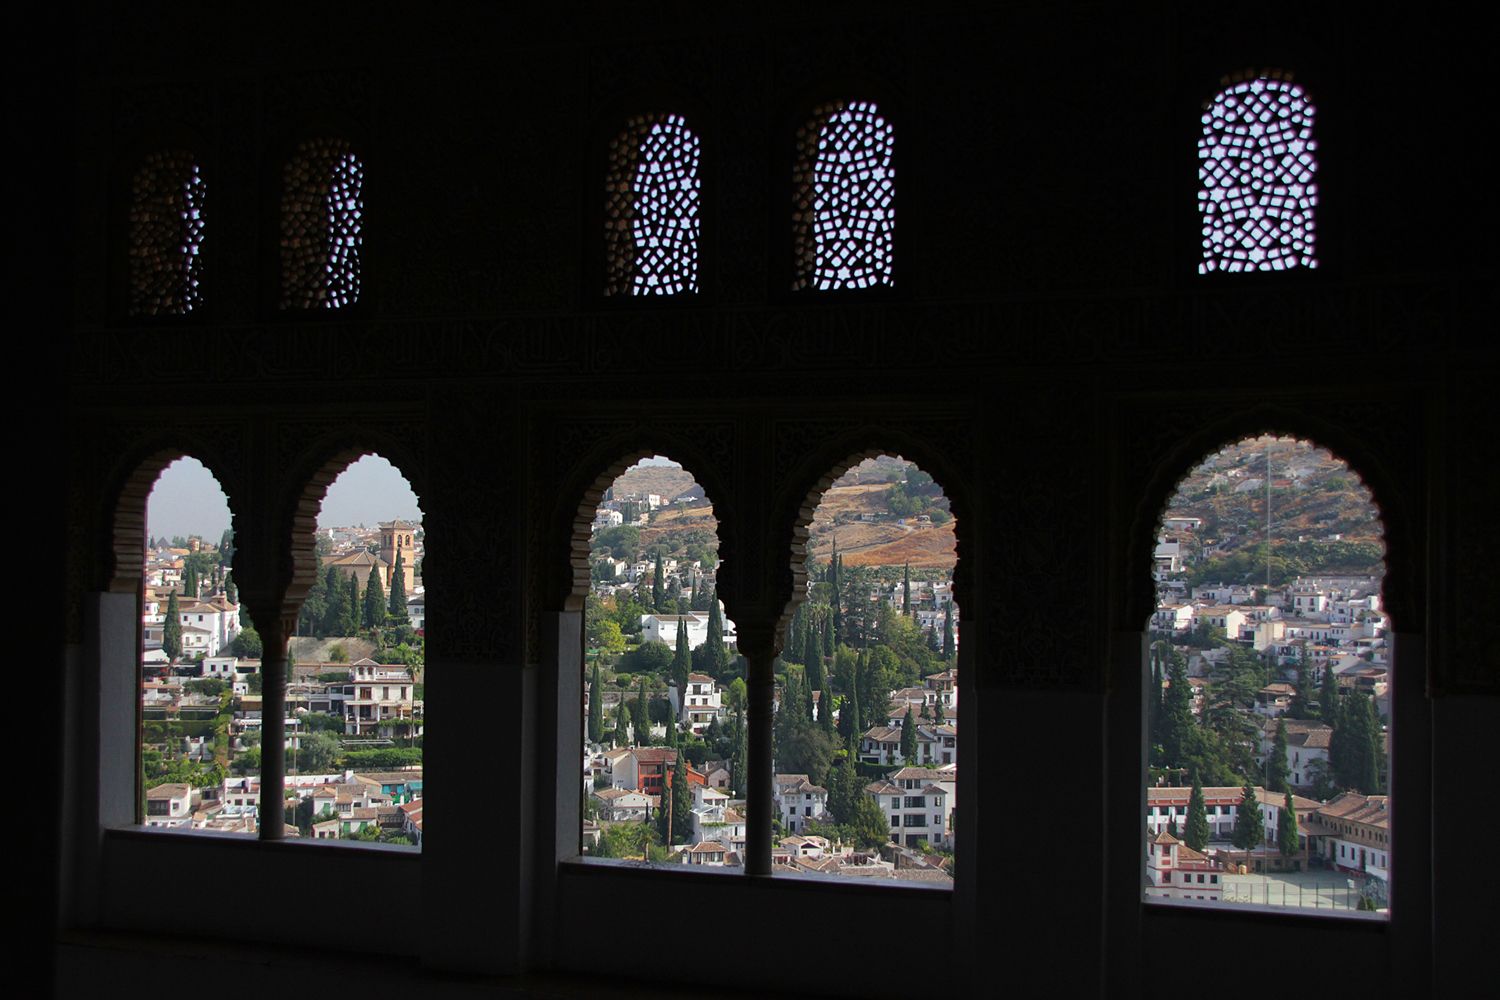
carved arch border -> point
(121, 533)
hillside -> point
(871, 489)
(1323, 519)
(670, 481)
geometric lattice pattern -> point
(166, 236)
(652, 208)
(1256, 168)
(844, 189)
(321, 217)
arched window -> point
(322, 212)
(167, 197)
(355, 694)
(866, 729)
(1268, 685)
(843, 214)
(651, 208)
(660, 677)
(200, 654)
(1256, 175)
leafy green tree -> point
(397, 603)
(844, 790)
(1286, 828)
(596, 706)
(1276, 768)
(246, 645)
(869, 825)
(908, 738)
(337, 653)
(1249, 824)
(374, 605)
(315, 753)
(1197, 831)
(171, 629)
(682, 660)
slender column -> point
(758, 805)
(273, 635)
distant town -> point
(866, 703)
(354, 694)
(1269, 690)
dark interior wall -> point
(1048, 352)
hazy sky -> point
(187, 499)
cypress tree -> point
(642, 718)
(672, 733)
(682, 802)
(906, 589)
(682, 661)
(718, 656)
(948, 647)
(908, 738)
(741, 753)
(232, 592)
(190, 581)
(837, 588)
(844, 790)
(856, 717)
(596, 707)
(1328, 697)
(827, 634)
(812, 661)
(1249, 824)
(1377, 746)
(334, 597)
(1286, 828)
(397, 603)
(825, 712)
(374, 607)
(658, 593)
(352, 610)
(1177, 714)
(171, 629)
(933, 642)
(1276, 769)
(1197, 832)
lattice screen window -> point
(1256, 173)
(651, 212)
(166, 235)
(843, 214)
(322, 212)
